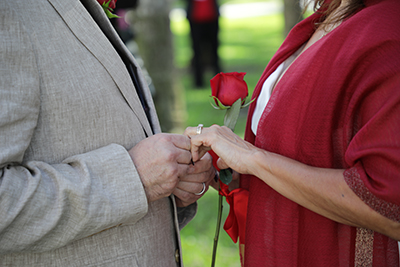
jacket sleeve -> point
(45, 206)
(373, 153)
(186, 214)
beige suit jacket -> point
(69, 192)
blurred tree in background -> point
(293, 13)
(154, 38)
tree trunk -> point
(292, 13)
(154, 38)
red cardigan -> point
(337, 106)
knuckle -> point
(169, 186)
(186, 196)
(169, 156)
(214, 127)
(171, 173)
(225, 127)
(164, 138)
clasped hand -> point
(233, 151)
(164, 164)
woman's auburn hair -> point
(327, 7)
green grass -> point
(246, 46)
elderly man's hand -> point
(196, 181)
(161, 161)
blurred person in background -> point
(203, 16)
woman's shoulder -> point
(377, 24)
(382, 11)
(382, 4)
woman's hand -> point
(233, 151)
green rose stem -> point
(216, 237)
(231, 117)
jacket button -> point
(177, 257)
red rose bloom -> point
(229, 87)
(111, 5)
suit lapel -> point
(92, 37)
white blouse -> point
(268, 86)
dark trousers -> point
(205, 49)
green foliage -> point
(246, 45)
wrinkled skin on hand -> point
(163, 162)
(201, 172)
(160, 161)
(232, 150)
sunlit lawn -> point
(246, 46)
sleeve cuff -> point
(385, 208)
(186, 214)
(115, 170)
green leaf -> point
(225, 176)
(249, 103)
(220, 105)
(111, 15)
(107, 9)
(213, 105)
(232, 115)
